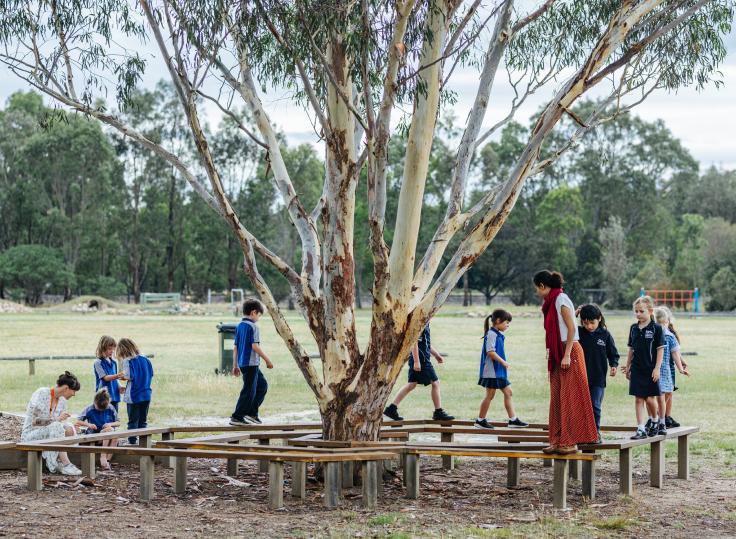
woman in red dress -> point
(571, 419)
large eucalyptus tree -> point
(361, 67)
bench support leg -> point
(412, 476)
(35, 470)
(574, 469)
(589, 479)
(370, 483)
(656, 474)
(275, 484)
(146, 487)
(547, 463)
(332, 484)
(347, 474)
(88, 465)
(447, 461)
(167, 461)
(683, 458)
(232, 465)
(626, 484)
(263, 464)
(379, 476)
(145, 441)
(512, 473)
(180, 475)
(559, 497)
(299, 479)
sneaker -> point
(640, 435)
(53, 466)
(236, 422)
(652, 428)
(254, 419)
(670, 423)
(483, 424)
(440, 415)
(70, 469)
(392, 412)
(599, 440)
(517, 423)
(661, 430)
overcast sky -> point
(698, 119)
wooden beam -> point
(369, 475)
(656, 460)
(512, 472)
(88, 465)
(347, 474)
(180, 475)
(299, 479)
(147, 474)
(625, 461)
(35, 470)
(574, 469)
(559, 497)
(167, 461)
(275, 485)
(332, 484)
(263, 464)
(447, 460)
(232, 464)
(31, 367)
(411, 470)
(683, 457)
(589, 479)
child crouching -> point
(101, 416)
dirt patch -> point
(470, 501)
(10, 427)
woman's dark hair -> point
(250, 305)
(550, 279)
(69, 380)
(591, 311)
(499, 315)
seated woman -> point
(46, 418)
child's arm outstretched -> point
(681, 366)
(436, 354)
(258, 350)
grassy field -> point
(185, 385)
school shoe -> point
(567, 449)
(661, 430)
(670, 423)
(653, 428)
(70, 469)
(254, 419)
(392, 412)
(517, 423)
(482, 424)
(641, 434)
(440, 415)
(236, 422)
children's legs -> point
(436, 400)
(486, 402)
(651, 403)
(260, 393)
(661, 406)
(596, 399)
(132, 421)
(640, 405)
(404, 391)
(507, 402)
(247, 393)
(668, 405)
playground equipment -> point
(150, 300)
(233, 302)
(676, 299)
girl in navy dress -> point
(671, 359)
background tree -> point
(35, 269)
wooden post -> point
(626, 484)
(512, 473)
(559, 498)
(31, 367)
(347, 474)
(547, 463)
(379, 476)
(232, 464)
(412, 476)
(574, 469)
(332, 484)
(656, 460)
(447, 461)
(263, 464)
(146, 487)
(167, 461)
(370, 483)
(683, 458)
(180, 475)
(589, 478)
(35, 470)
(275, 484)
(88, 465)
(145, 441)
(299, 479)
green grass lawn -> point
(186, 387)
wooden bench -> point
(276, 460)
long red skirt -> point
(571, 418)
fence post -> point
(696, 297)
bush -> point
(35, 269)
(723, 290)
(107, 287)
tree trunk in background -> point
(467, 300)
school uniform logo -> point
(600, 342)
(649, 334)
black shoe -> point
(670, 423)
(238, 422)
(640, 435)
(483, 424)
(392, 412)
(440, 415)
(254, 419)
(661, 430)
(517, 423)
(598, 440)
(653, 428)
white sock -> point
(661, 420)
(642, 425)
(513, 418)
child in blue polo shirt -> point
(106, 369)
(494, 369)
(138, 371)
(101, 416)
(247, 354)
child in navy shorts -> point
(494, 369)
(101, 416)
(646, 351)
(422, 372)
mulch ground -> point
(469, 501)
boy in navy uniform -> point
(101, 416)
(247, 354)
(422, 372)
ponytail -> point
(494, 317)
(487, 324)
(550, 279)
